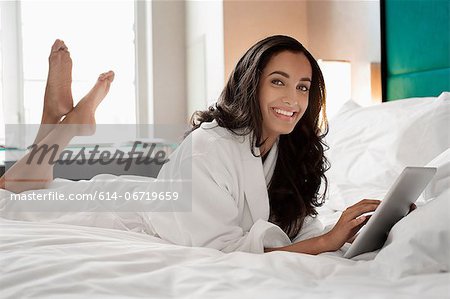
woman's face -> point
(283, 92)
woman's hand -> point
(350, 223)
(412, 207)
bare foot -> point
(58, 94)
(98, 92)
(84, 112)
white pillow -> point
(440, 181)
(370, 146)
(346, 107)
(420, 242)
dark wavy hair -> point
(301, 164)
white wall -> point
(196, 44)
(205, 53)
(248, 21)
(347, 30)
(169, 62)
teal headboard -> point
(415, 48)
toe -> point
(107, 76)
(59, 46)
(63, 47)
(56, 45)
(110, 76)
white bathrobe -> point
(230, 204)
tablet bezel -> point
(395, 205)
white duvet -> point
(67, 257)
(43, 260)
(106, 255)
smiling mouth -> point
(284, 115)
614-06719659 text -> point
(102, 196)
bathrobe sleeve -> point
(312, 227)
(214, 221)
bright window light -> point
(100, 37)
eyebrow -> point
(287, 75)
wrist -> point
(328, 243)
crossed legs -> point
(58, 111)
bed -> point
(106, 255)
(70, 255)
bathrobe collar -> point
(257, 178)
(270, 162)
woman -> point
(258, 161)
(256, 157)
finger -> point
(361, 203)
(360, 221)
(365, 220)
(366, 201)
(357, 225)
(361, 209)
(377, 201)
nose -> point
(288, 102)
(291, 98)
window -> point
(100, 37)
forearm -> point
(312, 246)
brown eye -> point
(277, 82)
(303, 88)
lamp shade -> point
(337, 76)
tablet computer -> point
(395, 205)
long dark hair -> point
(301, 164)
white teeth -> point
(279, 111)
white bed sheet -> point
(57, 258)
(47, 260)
